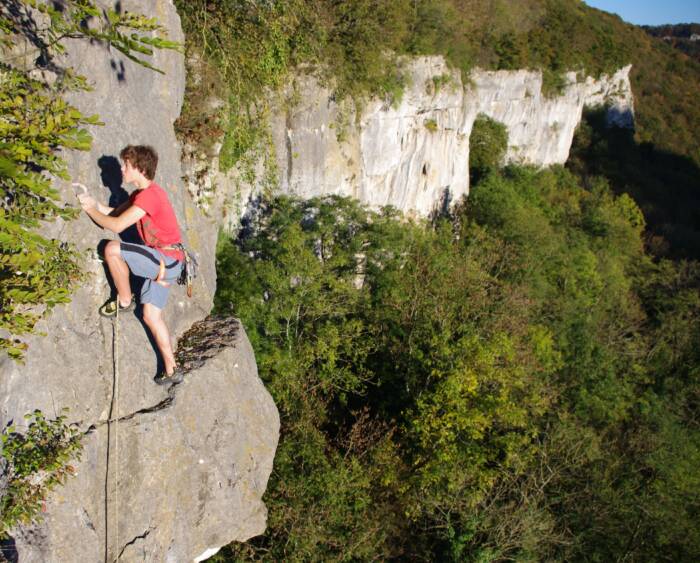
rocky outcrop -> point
(414, 154)
(541, 128)
(179, 472)
(169, 473)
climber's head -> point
(142, 158)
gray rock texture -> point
(192, 462)
(178, 476)
(414, 154)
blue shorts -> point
(144, 262)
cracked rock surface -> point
(180, 470)
(173, 480)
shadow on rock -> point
(111, 176)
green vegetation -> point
(240, 53)
(431, 125)
(488, 143)
(35, 271)
(666, 186)
(439, 82)
(37, 126)
(516, 382)
(32, 465)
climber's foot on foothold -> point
(109, 309)
(164, 378)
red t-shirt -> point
(158, 227)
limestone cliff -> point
(414, 154)
(179, 471)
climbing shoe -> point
(176, 377)
(109, 309)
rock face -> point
(179, 471)
(178, 477)
(414, 154)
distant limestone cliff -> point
(414, 154)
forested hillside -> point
(683, 36)
(515, 380)
(242, 52)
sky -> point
(651, 12)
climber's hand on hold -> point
(80, 189)
(87, 202)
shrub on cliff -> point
(32, 464)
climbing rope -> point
(114, 417)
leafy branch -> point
(32, 465)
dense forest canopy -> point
(517, 380)
(514, 380)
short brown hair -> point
(141, 157)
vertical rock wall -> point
(179, 471)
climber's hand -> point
(87, 202)
(78, 186)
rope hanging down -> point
(113, 418)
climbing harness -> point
(190, 267)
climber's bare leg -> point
(119, 270)
(153, 318)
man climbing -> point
(159, 261)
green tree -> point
(487, 147)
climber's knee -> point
(151, 314)
(113, 250)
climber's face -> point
(129, 173)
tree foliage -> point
(488, 143)
(32, 465)
(500, 385)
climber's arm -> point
(115, 224)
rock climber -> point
(159, 260)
